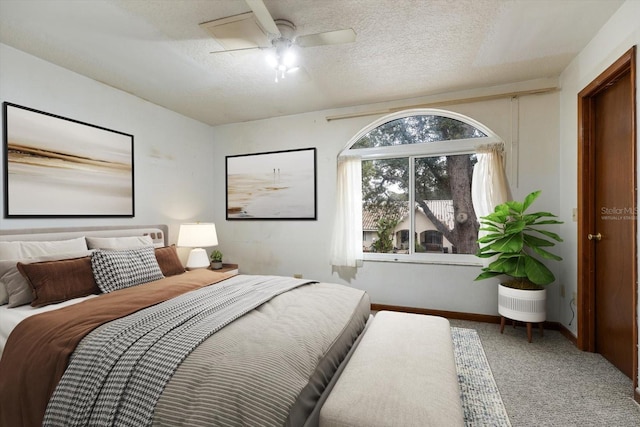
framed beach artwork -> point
(272, 186)
(59, 167)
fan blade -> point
(239, 50)
(263, 16)
(329, 37)
(237, 31)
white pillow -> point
(27, 249)
(119, 243)
(4, 296)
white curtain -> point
(346, 245)
(489, 186)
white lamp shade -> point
(198, 235)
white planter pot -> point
(523, 305)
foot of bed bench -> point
(402, 373)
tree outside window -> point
(416, 181)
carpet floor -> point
(549, 382)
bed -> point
(118, 333)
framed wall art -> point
(277, 185)
(60, 167)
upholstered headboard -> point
(158, 233)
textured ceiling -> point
(156, 50)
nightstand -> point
(229, 269)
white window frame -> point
(413, 151)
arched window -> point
(416, 171)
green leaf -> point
(510, 243)
(487, 275)
(537, 272)
(554, 236)
(534, 241)
(485, 248)
(509, 255)
(515, 206)
(486, 254)
(548, 221)
(537, 218)
(519, 269)
(490, 227)
(512, 266)
(490, 238)
(501, 265)
(546, 254)
(502, 210)
(514, 227)
(495, 217)
(543, 214)
(530, 199)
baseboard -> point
(486, 318)
(636, 396)
(567, 333)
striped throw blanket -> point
(118, 373)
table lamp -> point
(197, 236)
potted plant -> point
(517, 240)
(216, 259)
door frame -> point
(586, 200)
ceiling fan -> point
(258, 30)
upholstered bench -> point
(403, 373)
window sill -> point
(468, 260)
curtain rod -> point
(444, 103)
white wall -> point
(289, 247)
(172, 153)
(619, 34)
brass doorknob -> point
(594, 236)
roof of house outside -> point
(370, 217)
(442, 209)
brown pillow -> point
(168, 261)
(57, 281)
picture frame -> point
(275, 185)
(57, 167)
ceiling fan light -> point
(289, 58)
(272, 60)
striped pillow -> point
(115, 270)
